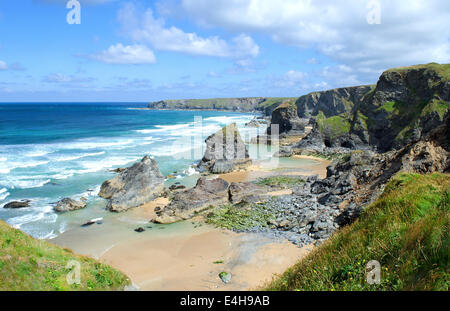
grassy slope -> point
(442, 69)
(406, 230)
(30, 264)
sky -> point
(141, 51)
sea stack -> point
(134, 186)
(225, 152)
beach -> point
(189, 255)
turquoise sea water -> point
(51, 151)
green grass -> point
(440, 106)
(406, 230)
(225, 103)
(30, 264)
(280, 181)
(276, 101)
(334, 126)
(240, 218)
(442, 69)
(389, 107)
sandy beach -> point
(189, 255)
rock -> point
(253, 123)
(170, 176)
(331, 102)
(246, 191)
(284, 224)
(225, 276)
(176, 187)
(186, 204)
(225, 152)
(140, 229)
(17, 204)
(285, 116)
(134, 186)
(68, 204)
(117, 170)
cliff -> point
(405, 105)
(331, 102)
(249, 104)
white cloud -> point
(291, 79)
(128, 54)
(146, 28)
(14, 66)
(66, 79)
(414, 32)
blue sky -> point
(152, 50)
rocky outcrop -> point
(134, 186)
(225, 152)
(68, 204)
(331, 102)
(406, 104)
(17, 204)
(188, 203)
(285, 116)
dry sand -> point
(193, 261)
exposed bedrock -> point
(225, 152)
(133, 186)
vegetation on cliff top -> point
(406, 230)
(442, 69)
(30, 264)
(243, 104)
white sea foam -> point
(37, 154)
(76, 157)
(25, 184)
(3, 194)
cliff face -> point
(249, 104)
(285, 115)
(406, 104)
(332, 102)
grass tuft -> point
(406, 230)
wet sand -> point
(315, 166)
(189, 255)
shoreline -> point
(189, 255)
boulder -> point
(186, 204)
(68, 204)
(246, 192)
(225, 152)
(17, 204)
(134, 186)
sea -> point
(49, 151)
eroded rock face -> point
(68, 204)
(331, 102)
(285, 116)
(134, 186)
(225, 152)
(404, 106)
(186, 204)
